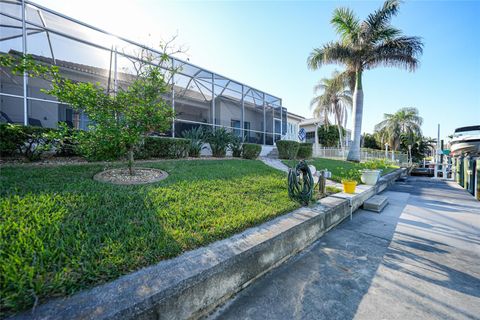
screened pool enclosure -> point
(88, 54)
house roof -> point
(310, 121)
(295, 116)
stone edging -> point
(193, 284)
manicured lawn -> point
(61, 232)
(335, 165)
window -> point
(235, 124)
(310, 137)
(246, 133)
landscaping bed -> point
(62, 232)
(337, 167)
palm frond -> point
(405, 122)
(399, 52)
(347, 100)
(381, 17)
(335, 99)
(400, 61)
(330, 53)
(346, 24)
(385, 33)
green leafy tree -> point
(405, 121)
(369, 141)
(421, 146)
(381, 136)
(119, 121)
(328, 136)
(335, 100)
(364, 45)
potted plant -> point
(350, 179)
(371, 171)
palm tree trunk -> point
(354, 153)
(339, 127)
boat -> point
(465, 140)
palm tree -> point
(364, 45)
(405, 121)
(382, 137)
(335, 100)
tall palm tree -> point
(364, 45)
(405, 121)
(335, 100)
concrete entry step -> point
(375, 203)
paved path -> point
(418, 259)
(274, 163)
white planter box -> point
(370, 177)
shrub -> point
(369, 141)
(220, 140)
(100, 145)
(305, 151)
(287, 149)
(65, 140)
(332, 189)
(196, 137)
(30, 142)
(349, 175)
(236, 147)
(251, 151)
(163, 147)
(328, 135)
(376, 164)
(11, 139)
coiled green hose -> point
(300, 183)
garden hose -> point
(300, 183)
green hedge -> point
(11, 138)
(30, 142)
(163, 147)
(305, 151)
(251, 151)
(287, 149)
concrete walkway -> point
(418, 259)
(274, 163)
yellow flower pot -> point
(349, 186)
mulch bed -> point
(123, 177)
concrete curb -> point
(194, 283)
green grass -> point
(332, 189)
(61, 232)
(335, 166)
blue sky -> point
(266, 44)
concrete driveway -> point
(418, 259)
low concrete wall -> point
(364, 192)
(389, 179)
(194, 283)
